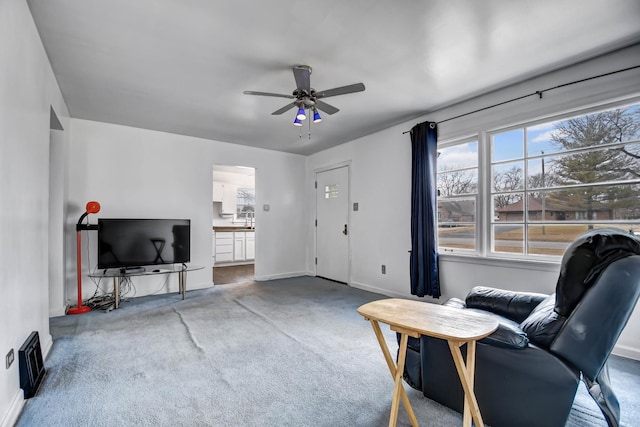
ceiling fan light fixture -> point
(316, 116)
(297, 122)
(301, 114)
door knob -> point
(345, 230)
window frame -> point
(484, 197)
(526, 191)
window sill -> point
(529, 264)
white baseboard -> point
(203, 285)
(15, 409)
(382, 291)
(280, 276)
(58, 311)
(626, 351)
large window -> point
(458, 196)
(546, 183)
(551, 182)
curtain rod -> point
(538, 93)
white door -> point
(332, 227)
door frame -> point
(56, 216)
(347, 164)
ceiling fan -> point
(306, 98)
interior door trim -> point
(316, 171)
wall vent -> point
(31, 365)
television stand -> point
(132, 270)
(121, 273)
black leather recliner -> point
(528, 370)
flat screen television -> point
(131, 243)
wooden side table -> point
(415, 318)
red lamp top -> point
(93, 207)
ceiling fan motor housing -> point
(304, 96)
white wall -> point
(139, 173)
(27, 90)
(381, 182)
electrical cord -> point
(165, 283)
(105, 298)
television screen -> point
(124, 242)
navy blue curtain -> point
(424, 252)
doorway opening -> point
(234, 224)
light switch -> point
(266, 208)
(355, 206)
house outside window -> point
(552, 181)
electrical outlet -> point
(10, 357)
(384, 269)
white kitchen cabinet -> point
(218, 191)
(224, 246)
(238, 246)
(229, 199)
(250, 245)
(234, 246)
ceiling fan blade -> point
(302, 75)
(283, 109)
(278, 95)
(356, 87)
(329, 109)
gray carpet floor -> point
(291, 352)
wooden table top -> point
(430, 319)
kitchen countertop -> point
(232, 228)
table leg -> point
(116, 291)
(471, 371)
(182, 283)
(467, 374)
(396, 373)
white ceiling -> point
(181, 66)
